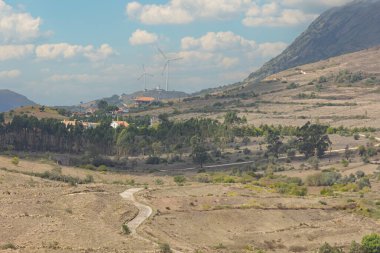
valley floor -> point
(39, 215)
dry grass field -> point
(39, 215)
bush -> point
(290, 189)
(363, 182)
(327, 248)
(15, 160)
(323, 179)
(165, 248)
(327, 192)
(8, 246)
(246, 151)
(360, 174)
(180, 180)
(371, 243)
(345, 163)
(126, 229)
(159, 182)
(153, 160)
(356, 248)
(292, 86)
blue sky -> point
(63, 52)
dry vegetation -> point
(298, 95)
(228, 212)
(284, 207)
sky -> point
(63, 52)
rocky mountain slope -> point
(338, 31)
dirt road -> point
(144, 211)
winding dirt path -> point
(144, 211)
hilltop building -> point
(140, 101)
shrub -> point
(126, 229)
(15, 160)
(165, 248)
(290, 189)
(246, 151)
(323, 179)
(327, 192)
(371, 243)
(363, 182)
(356, 248)
(322, 79)
(292, 86)
(327, 248)
(159, 182)
(8, 246)
(360, 174)
(153, 160)
(180, 180)
(345, 163)
(204, 178)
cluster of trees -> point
(31, 134)
(197, 136)
(310, 140)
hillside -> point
(10, 100)
(126, 99)
(343, 90)
(337, 31)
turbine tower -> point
(144, 75)
(167, 66)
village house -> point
(116, 124)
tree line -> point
(201, 135)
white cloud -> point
(274, 15)
(184, 11)
(266, 12)
(225, 50)
(320, 3)
(99, 54)
(218, 41)
(17, 26)
(8, 52)
(141, 37)
(10, 73)
(67, 51)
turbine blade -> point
(162, 53)
(176, 59)
(140, 77)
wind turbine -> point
(167, 66)
(144, 75)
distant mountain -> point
(338, 31)
(10, 100)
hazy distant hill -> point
(11, 100)
(338, 31)
(126, 99)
